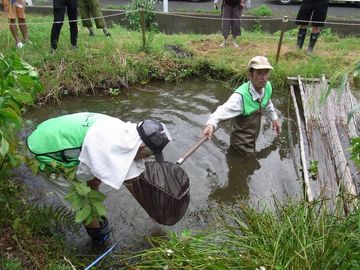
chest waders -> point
(57, 142)
(245, 128)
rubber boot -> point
(106, 32)
(301, 37)
(91, 32)
(313, 39)
(100, 235)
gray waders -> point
(244, 132)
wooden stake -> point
(285, 20)
(143, 24)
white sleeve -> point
(270, 111)
(231, 108)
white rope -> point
(78, 20)
(211, 17)
(219, 18)
(184, 15)
(326, 22)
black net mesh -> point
(163, 191)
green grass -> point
(295, 236)
(101, 63)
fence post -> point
(143, 24)
(285, 20)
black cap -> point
(155, 135)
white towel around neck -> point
(108, 151)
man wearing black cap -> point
(102, 148)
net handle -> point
(191, 150)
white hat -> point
(259, 62)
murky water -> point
(216, 175)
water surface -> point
(216, 174)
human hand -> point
(276, 126)
(208, 131)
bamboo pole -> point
(305, 107)
(302, 148)
(333, 137)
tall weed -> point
(134, 18)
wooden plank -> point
(294, 80)
(329, 118)
(302, 148)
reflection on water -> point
(217, 175)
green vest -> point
(58, 141)
(249, 105)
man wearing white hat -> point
(245, 107)
(104, 149)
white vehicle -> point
(287, 2)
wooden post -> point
(285, 20)
(142, 24)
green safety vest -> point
(58, 141)
(249, 105)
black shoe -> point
(107, 34)
(74, 47)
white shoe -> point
(223, 44)
(20, 45)
(235, 44)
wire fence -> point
(184, 15)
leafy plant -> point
(313, 169)
(261, 11)
(114, 91)
(11, 264)
(356, 74)
(19, 84)
(134, 17)
(355, 150)
(87, 203)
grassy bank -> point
(117, 62)
(295, 237)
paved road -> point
(348, 11)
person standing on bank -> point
(103, 149)
(316, 11)
(245, 107)
(16, 9)
(91, 9)
(59, 7)
(231, 11)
